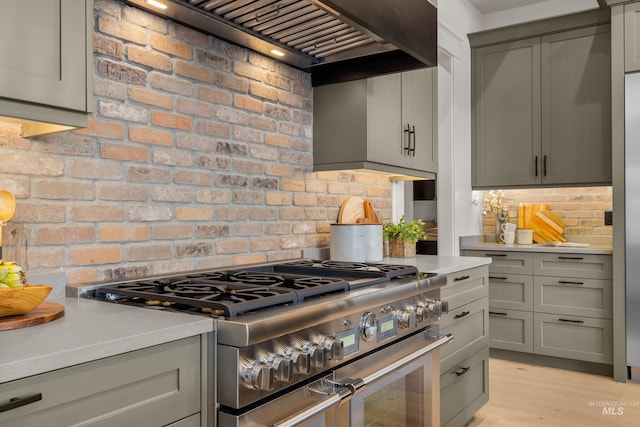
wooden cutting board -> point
(45, 312)
(351, 209)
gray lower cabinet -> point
(383, 123)
(46, 75)
(554, 304)
(539, 102)
(156, 386)
(464, 369)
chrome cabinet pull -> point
(16, 402)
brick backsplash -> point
(199, 154)
(581, 209)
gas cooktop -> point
(243, 290)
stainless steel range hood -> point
(336, 40)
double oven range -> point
(311, 343)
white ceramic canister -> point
(355, 242)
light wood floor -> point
(523, 395)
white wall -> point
(536, 11)
(457, 215)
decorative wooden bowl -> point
(15, 301)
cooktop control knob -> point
(316, 355)
(257, 375)
(422, 313)
(333, 346)
(300, 361)
(406, 319)
(435, 308)
(282, 368)
(368, 326)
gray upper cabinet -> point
(45, 76)
(383, 123)
(506, 117)
(542, 110)
(632, 37)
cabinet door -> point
(511, 330)
(151, 387)
(577, 297)
(384, 120)
(587, 266)
(47, 61)
(464, 287)
(469, 325)
(581, 338)
(511, 291)
(419, 106)
(576, 106)
(506, 114)
(464, 389)
(632, 37)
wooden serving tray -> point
(45, 312)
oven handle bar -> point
(343, 393)
(440, 341)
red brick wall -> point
(199, 154)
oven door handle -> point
(342, 394)
(439, 342)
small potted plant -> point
(403, 237)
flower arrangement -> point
(496, 205)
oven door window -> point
(401, 399)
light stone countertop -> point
(476, 243)
(90, 330)
(438, 263)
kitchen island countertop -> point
(438, 263)
(90, 330)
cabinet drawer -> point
(576, 297)
(586, 266)
(465, 286)
(511, 330)
(150, 387)
(510, 291)
(464, 389)
(507, 261)
(469, 326)
(580, 338)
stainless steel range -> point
(314, 343)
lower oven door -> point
(399, 386)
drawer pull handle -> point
(16, 402)
(497, 278)
(497, 313)
(575, 258)
(462, 371)
(461, 315)
(492, 255)
(567, 282)
(571, 320)
(458, 279)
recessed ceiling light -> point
(276, 52)
(157, 4)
